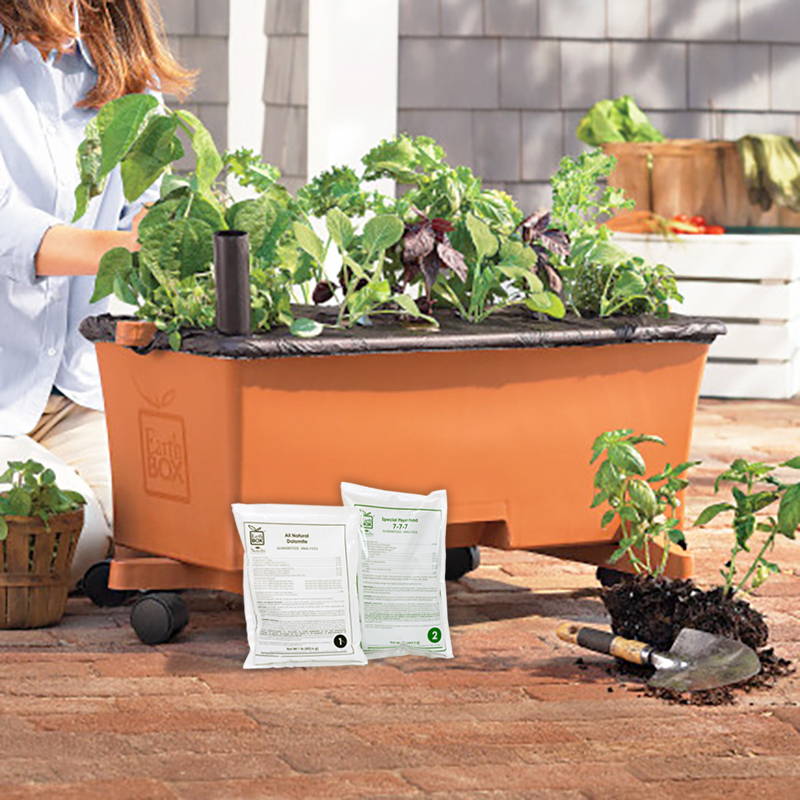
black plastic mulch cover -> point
(506, 330)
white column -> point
(352, 81)
(247, 58)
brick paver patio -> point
(87, 712)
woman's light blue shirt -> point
(40, 129)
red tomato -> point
(698, 220)
(682, 218)
(714, 229)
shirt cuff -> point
(22, 228)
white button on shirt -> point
(40, 129)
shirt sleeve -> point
(22, 228)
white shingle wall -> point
(705, 68)
(286, 89)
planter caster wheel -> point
(459, 561)
(94, 585)
(158, 616)
(610, 577)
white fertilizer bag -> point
(401, 583)
(300, 570)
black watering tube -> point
(232, 273)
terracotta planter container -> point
(36, 562)
(691, 176)
(502, 415)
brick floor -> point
(87, 711)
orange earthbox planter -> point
(501, 415)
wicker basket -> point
(35, 577)
(691, 176)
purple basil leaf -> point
(556, 242)
(418, 241)
(452, 258)
(535, 225)
(323, 292)
(430, 269)
(550, 276)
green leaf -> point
(546, 303)
(119, 124)
(629, 513)
(676, 536)
(309, 241)
(608, 478)
(485, 241)
(209, 164)
(123, 290)
(75, 497)
(607, 517)
(116, 263)
(149, 156)
(3, 529)
(18, 502)
(381, 232)
(305, 328)
(629, 283)
(187, 247)
(600, 497)
(408, 305)
(794, 463)
(48, 477)
(643, 497)
(708, 513)
(339, 227)
(175, 340)
(626, 458)
(789, 511)
(646, 437)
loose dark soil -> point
(656, 610)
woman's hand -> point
(75, 251)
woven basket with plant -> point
(39, 529)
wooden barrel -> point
(691, 176)
(36, 559)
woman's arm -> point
(75, 251)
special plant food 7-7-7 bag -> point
(300, 570)
(401, 581)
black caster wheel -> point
(460, 561)
(158, 616)
(610, 577)
(94, 585)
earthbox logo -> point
(256, 535)
(164, 460)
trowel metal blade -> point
(699, 660)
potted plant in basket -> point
(39, 529)
(654, 609)
(467, 325)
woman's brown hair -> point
(124, 37)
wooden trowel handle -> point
(605, 642)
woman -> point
(59, 62)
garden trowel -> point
(696, 660)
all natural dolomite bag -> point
(402, 593)
(300, 569)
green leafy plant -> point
(33, 493)
(444, 241)
(644, 507)
(755, 489)
(601, 278)
(619, 120)
(169, 278)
